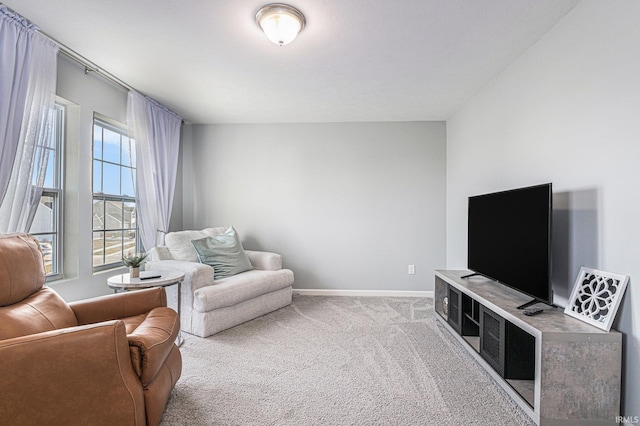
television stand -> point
(558, 369)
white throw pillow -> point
(179, 242)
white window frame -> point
(114, 126)
(56, 192)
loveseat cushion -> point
(224, 253)
(42, 311)
(179, 243)
(238, 288)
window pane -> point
(111, 146)
(113, 214)
(43, 155)
(48, 218)
(111, 183)
(128, 180)
(43, 220)
(49, 181)
(129, 215)
(97, 176)
(113, 247)
(114, 192)
(47, 245)
(54, 255)
(98, 248)
(129, 242)
(97, 142)
(98, 215)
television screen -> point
(509, 239)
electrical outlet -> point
(411, 270)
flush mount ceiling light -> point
(280, 22)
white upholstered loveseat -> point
(209, 306)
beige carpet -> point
(337, 361)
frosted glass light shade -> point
(280, 22)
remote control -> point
(532, 311)
(147, 275)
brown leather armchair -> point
(109, 360)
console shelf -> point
(559, 370)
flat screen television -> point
(509, 239)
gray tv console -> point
(559, 370)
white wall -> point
(348, 205)
(568, 111)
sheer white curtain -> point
(156, 131)
(14, 74)
(28, 62)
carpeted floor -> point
(337, 361)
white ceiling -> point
(356, 60)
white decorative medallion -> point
(596, 297)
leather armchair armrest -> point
(56, 376)
(121, 305)
(151, 342)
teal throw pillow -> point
(224, 253)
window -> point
(47, 222)
(115, 231)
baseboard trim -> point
(362, 293)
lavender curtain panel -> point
(28, 67)
(156, 131)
